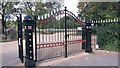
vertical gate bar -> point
(51, 53)
(49, 34)
(94, 36)
(46, 32)
(43, 29)
(75, 36)
(83, 36)
(65, 33)
(43, 33)
(46, 23)
(40, 34)
(35, 39)
(55, 54)
(55, 29)
(59, 32)
(58, 27)
(60, 36)
(74, 33)
(39, 42)
(20, 38)
(71, 35)
(52, 30)
(43, 41)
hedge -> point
(109, 37)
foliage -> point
(11, 24)
(99, 10)
(12, 34)
(6, 9)
(40, 10)
(108, 37)
(60, 23)
(34, 8)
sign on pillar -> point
(29, 57)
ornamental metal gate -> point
(59, 33)
(58, 38)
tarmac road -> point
(10, 53)
(98, 58)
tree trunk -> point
(3, 23)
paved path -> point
(99, 58)
(9, 53)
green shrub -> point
(108, 37)
(12, 35)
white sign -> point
(79, 28)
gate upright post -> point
(65, 33)
(35, 18)
(83, 37)
(88, 38)
(29, 57)
(20, 38)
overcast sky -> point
(72, 5)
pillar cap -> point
(27, 17)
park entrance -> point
(59, 33)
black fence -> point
(107, 32)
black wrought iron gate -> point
(52, 36)
(55, 38)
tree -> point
(6, 9)
(99, 10)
